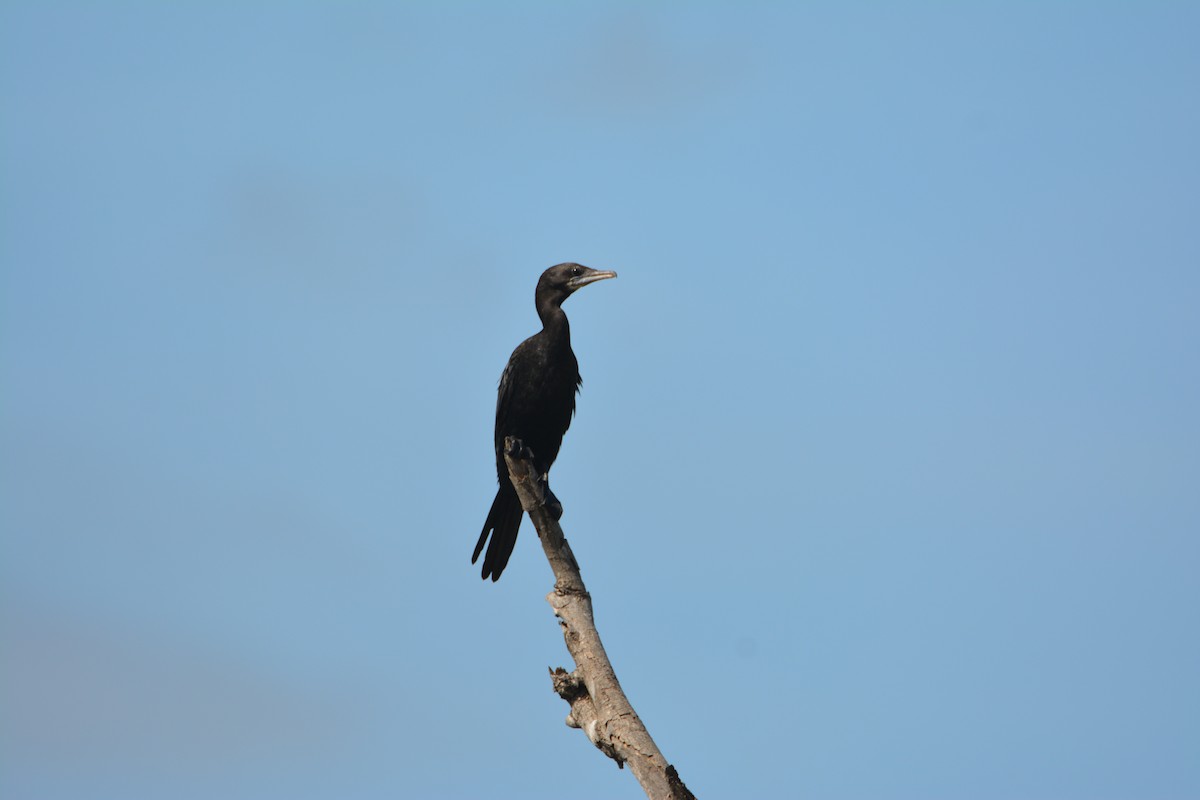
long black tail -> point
(503, 522)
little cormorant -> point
(535, 403)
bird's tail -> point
(503, 521)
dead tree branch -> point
(598, 705)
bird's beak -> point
(590, 276)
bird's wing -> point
(506, 409)
(503, 400)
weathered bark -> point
(598, 705)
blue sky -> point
(884, 474)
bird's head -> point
(558, 282)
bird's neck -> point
(554, 323)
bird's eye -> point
(575, 270)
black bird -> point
(535, 404)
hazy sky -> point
(885, 476)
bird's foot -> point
(515, 448)
(552, 503)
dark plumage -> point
(535, 404)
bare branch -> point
(598, 705)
